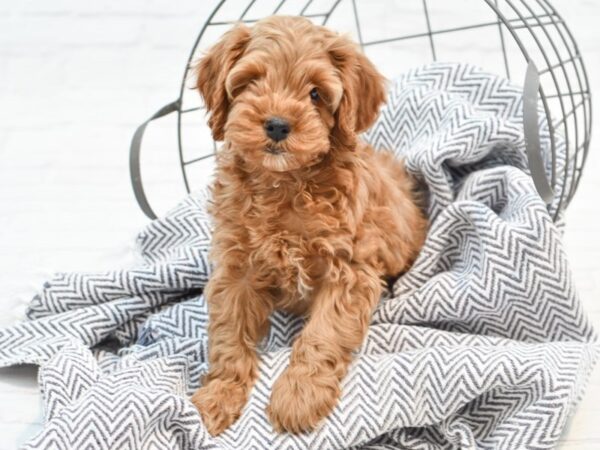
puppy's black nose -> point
(277, 128)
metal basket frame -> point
(574, 118)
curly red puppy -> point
(307, 218)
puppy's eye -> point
(314, 95)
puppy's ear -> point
(212, 72)
(364, 90)
(371, 93)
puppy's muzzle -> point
(277, 128)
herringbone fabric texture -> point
(483, 344)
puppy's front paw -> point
(220, 403)
(300, 400)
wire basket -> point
(521, 40)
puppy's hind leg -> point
(309, 388)
(238, 319)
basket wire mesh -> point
(526, 31)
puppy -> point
(307, 218)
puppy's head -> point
(285, 91)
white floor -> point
(76, 78)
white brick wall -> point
(76, 78)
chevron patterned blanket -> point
(483, 344)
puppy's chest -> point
(281, 236)
(286, 241)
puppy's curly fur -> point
(310, 223)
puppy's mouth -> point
(273, 150)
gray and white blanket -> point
(483, 344)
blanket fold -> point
(482, 344)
